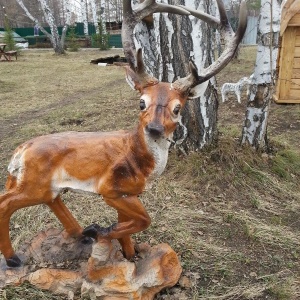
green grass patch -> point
(286, 164)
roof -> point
(289, 10)
(17, 37)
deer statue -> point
(116, 165)
(236, 88)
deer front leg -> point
(132, 218)
(126, 242)
(65, 217)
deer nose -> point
(155, 130)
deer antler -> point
(132, 16)
(231, 39)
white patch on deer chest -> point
(62, 180)
(159, 149)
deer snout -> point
(156, 130)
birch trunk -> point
(84, 17)
(67, 14)
(103, 16)
(94, 14)
(31, 17)
(167, 48)
(261, 89)
(56, 41)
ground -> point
(231, 213)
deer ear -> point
(198, 90)
(132, 79)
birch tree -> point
(261, 89)
(84, 18)
(94, 15)
(103, 15)
(56, 40)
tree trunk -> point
(84, 17)
(67, 14)
(94, 14)
(261, 89)
(103, 16)
(167, 48)
(55, 38)
(56, 41)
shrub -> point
(9, 36)
(72, 40)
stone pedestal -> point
(63, 265)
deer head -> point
(161, 102)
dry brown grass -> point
(232, 214)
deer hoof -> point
(91, 231)
(86, 240)
(95, 231)
(13, 262)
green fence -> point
(84, 42)
(79, 29)
(42, 41)
(115, 41)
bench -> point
(11, 53)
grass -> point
(231, 214)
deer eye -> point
(142, 104)
(176, 110)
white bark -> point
(67, 14)
(49, 17)
(31, 17)
(84, 17)
(94, 14)
(103, 15)
(57, 42)
(167, 48)
(261, 88)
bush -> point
(9, 36)
(72, 40)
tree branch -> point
(32, 18)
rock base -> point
(63, 265)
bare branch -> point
(32, 18)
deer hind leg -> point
(132, 218)
(9, 203)
(66, 218)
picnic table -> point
(8, 54)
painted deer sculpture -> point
(116, 165)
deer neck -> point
(156, 148)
